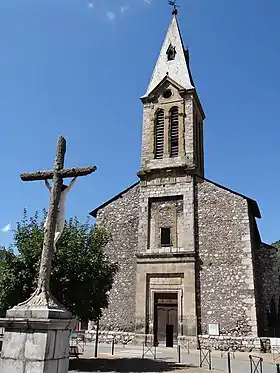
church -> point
(190, 257)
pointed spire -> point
(172, 60)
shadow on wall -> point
(123, 365)
(273, 319)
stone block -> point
(51, 366)
(38, 313)
(35, 367)
(13, 345)
(62, 344)
(50, 344)
(11, 366)
(63, 365)
(35, 345)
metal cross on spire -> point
(173, 3)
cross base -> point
(41, 305)
(34, 345)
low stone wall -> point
(229, 343)
(124, 338)
(220, 343)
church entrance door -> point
(165, 318)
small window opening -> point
(159, 134)
(165, 236)
(171, 53)
(174, 132)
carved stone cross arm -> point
(66, 172)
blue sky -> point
(78, 68)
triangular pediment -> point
(165, 83)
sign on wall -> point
(213, 329)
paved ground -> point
(129, 359)
(128, 365)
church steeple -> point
(172, 136)
(173, 60)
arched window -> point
(174, 132)
(159, 134)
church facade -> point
(190, 257)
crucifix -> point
(53, 227)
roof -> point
(177, 69)
(267, 246)
(252, 203)
(94, 212)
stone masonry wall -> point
(226, 293)
(121, 217)
(267, 276)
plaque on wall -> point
(213, 329)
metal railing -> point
(76, 344)
(205, 359)
(149, 348)
(256, 364)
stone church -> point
(191, 260)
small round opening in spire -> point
(167, 93)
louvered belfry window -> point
(159, 134)
(174, 132)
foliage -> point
(81, 273)
(276, 244)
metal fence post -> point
(206, 358)
(113, 346)
(256, 364)
(96, 339)
(229, 363)
(277, 368)
(179, 354)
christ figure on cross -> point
(60, 222)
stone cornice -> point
(182, 257)
(144, 173)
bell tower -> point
(172, 135)
(172, 153)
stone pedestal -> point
(34, 342)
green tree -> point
(276, 244)
(81, 273)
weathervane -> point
(174, 5)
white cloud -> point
(147, 1)
(7, 228)
(91, 5)
(111, 16)
(124, 8)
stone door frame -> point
(152, 292)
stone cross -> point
(42, 296)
